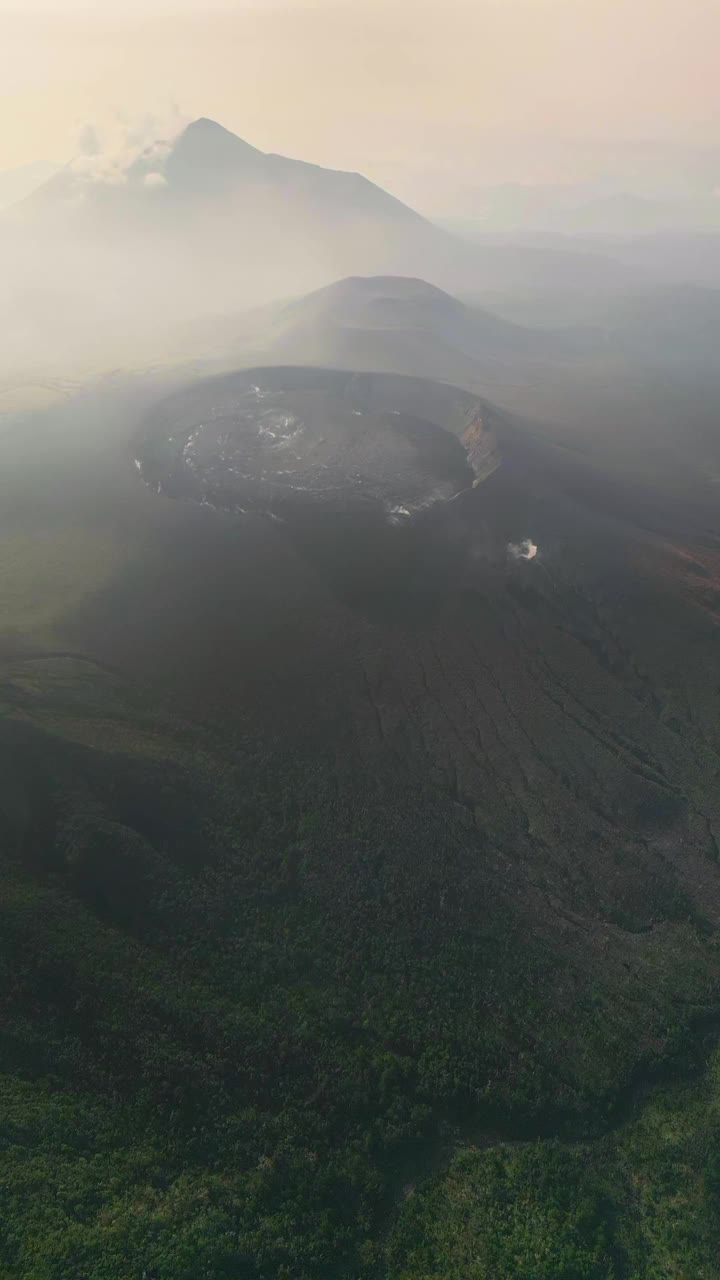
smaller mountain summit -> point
(396, 322)
(379, 301)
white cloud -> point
(155, 180)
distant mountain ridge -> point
(208, 224)
(208, 162)
(322, 223)
(207, 156)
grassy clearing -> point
(43, 575)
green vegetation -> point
(234, 1017)
(45, 574)
(640, 1204)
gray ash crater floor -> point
(282, 440)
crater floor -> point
(275, 439)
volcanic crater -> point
(279, 440)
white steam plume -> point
(525, 550)
(104, 153)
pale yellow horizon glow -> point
(384, 86)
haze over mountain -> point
(648, 357)
(396, 323)
(209, 223)
(369, 321)
(16, 184)
(207, 162)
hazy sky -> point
(487, 88)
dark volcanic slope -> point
(438, 857)
(541, 678)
